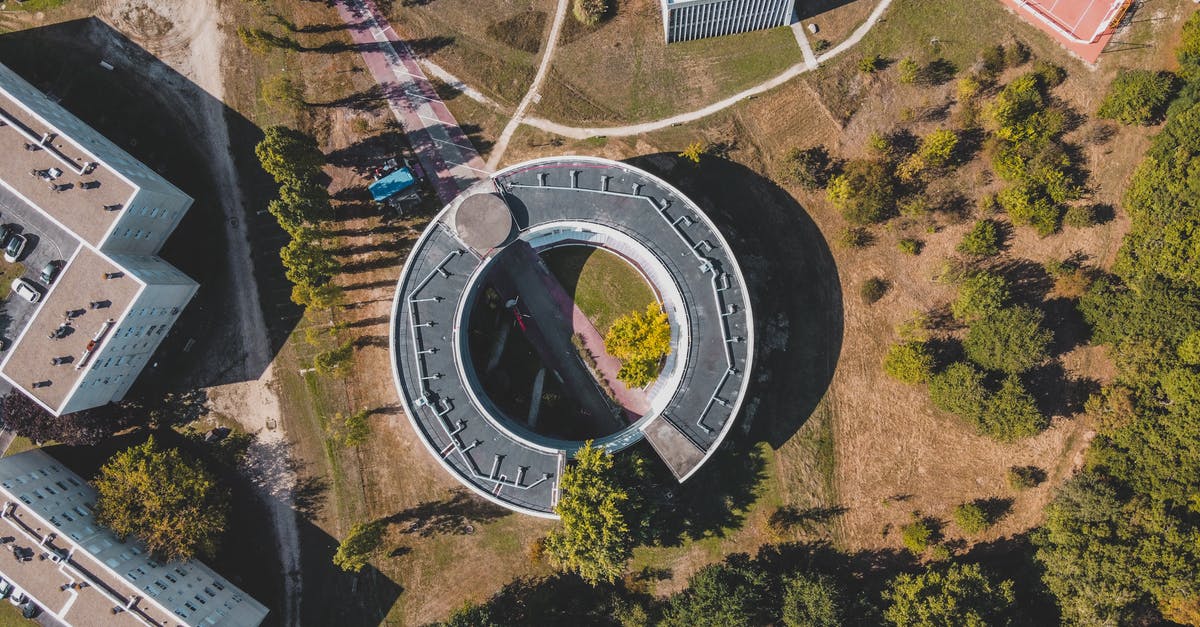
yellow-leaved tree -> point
(640, 340)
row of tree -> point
(293, 159)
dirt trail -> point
(187, 36)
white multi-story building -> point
(696, 19)
(81, 573)
(96, 326)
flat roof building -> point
(684, 20)
(82, 574)
(91, 208)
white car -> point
(25, 289)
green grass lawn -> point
(604, 285)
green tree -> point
(334, 360)
(594, 538)
(1012, 414)
(289, 155)
(306, 263)
(308, 199)
(733, 593)
(951, 595)
(167, 500)
(983, 240)
(959, 390)
(1137, 97)
(980, 294)
(1188, 52)
(909, 362)
(640, 340)
(865, 192)
(360, 546)
(811, 602)
(1011, 340)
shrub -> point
(910, 246)
(992, 59)
(864, 193)
(971, 518)
(589, 12)
(1016, 54)
(694, 151)
(810, 167)
(937, 148)
(811, 602)
(983, 240)
(1081, 216)
(959, 390)
(909, 362)
(282, 92)
(1049, 74)
(870, 64)
(1136, 97)
(909, 71)
(980, 294)
(966, 88)
(821, 45)
(873, 289)
(880, 144)
(1010, 340)
(1024, 477)
(854, 237)
(917, 535)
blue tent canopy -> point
(391, 184)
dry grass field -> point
(492, 46)
(864, 448)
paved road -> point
(577, 132)
(447, 157)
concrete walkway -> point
(532, 94)
(449, 161)
(807, 65)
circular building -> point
(501, 364)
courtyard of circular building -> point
(563, 300)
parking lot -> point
(47, 242)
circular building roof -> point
(483, 221)
(442, 395)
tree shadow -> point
(798, 334)
(994, 508)
(457, 514)
(1056, 392)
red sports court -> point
(1082, 26)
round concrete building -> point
(501, 364)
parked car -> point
(15, 248)
(50, 271)
(6, 233)
(27, 290)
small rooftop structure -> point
(82, 574)
(483, 221)
(391, 184)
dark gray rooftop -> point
(496, 461)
